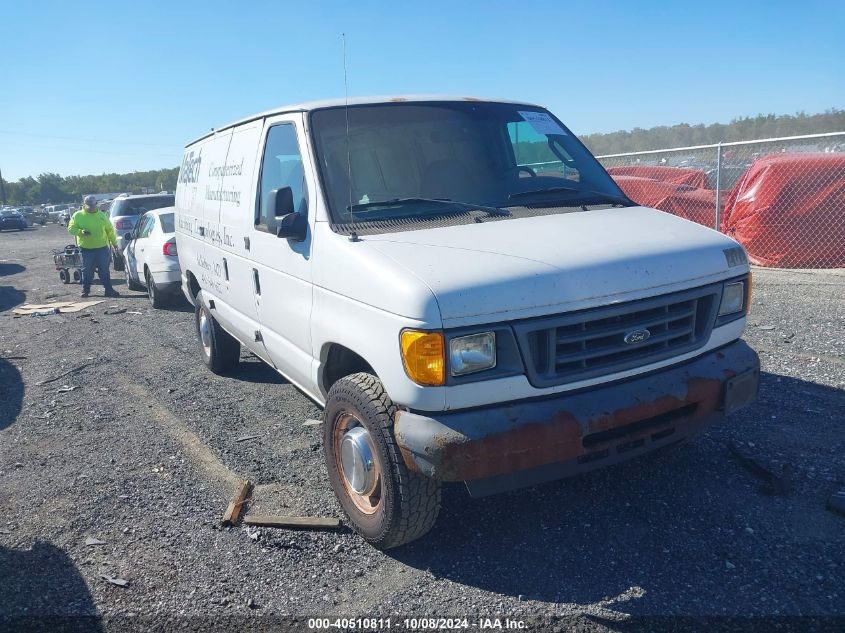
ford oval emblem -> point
(636, 336)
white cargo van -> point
(465, 291)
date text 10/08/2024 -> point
(414, 624)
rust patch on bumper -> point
(561, 438)
(465, 446)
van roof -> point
(307, 106)
(141, 196)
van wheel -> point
(220, 351)
(385, 502)
(156, 298)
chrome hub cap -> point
(356, 456)
(358, 463)
(205, 333)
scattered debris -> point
(233, 512)
(66, 388)
(94, 541)
(58, 307)
(836, 502)
(41, 313)
(314, 523)
(120, 582)
(767, 328)
(254, 535)
(67, 373)
(5, 531)
(312, 422)
(251, 604)
(772, 484)
(247, 437)
(118, 311)
(134, 312)
(13, 357)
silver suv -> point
(125, 211)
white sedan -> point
(150, 256)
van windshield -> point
(410, 160)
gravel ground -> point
(144, 455)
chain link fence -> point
(782, 198)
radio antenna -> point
(353, 237)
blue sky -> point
(93, 87)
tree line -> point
(741, 129)
(53, 188)
(50, 187)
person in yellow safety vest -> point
(95, 238)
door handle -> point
(256, 282)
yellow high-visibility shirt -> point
(97, 224)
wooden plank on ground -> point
(302, 523)
(233, 512)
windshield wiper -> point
(364, 206)
(560, 189)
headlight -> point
(733, 298)
(469, 354)
(422, 354)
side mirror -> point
(281, 201)
(293, 226)
(127, 236)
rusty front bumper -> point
(522, 443)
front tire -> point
(220, 350)
(385, 502)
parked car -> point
(150, 257)
(457, 320)
(65, 215)
(54, 212)
(125, 211)
(34, 216)
(12, 219)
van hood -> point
(508, 269)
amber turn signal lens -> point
(423, 355)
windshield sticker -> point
(542, 122)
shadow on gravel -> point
(11, 394)
(9, 295)
(668, 533)
(259, 372)
(43, 590)
(180, 304)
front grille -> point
(589, 343)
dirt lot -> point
(144, 455)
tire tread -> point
(418, 495)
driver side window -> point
(281, 167)
(145, 226)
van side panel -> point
(236, 193)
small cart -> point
(69, 263)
